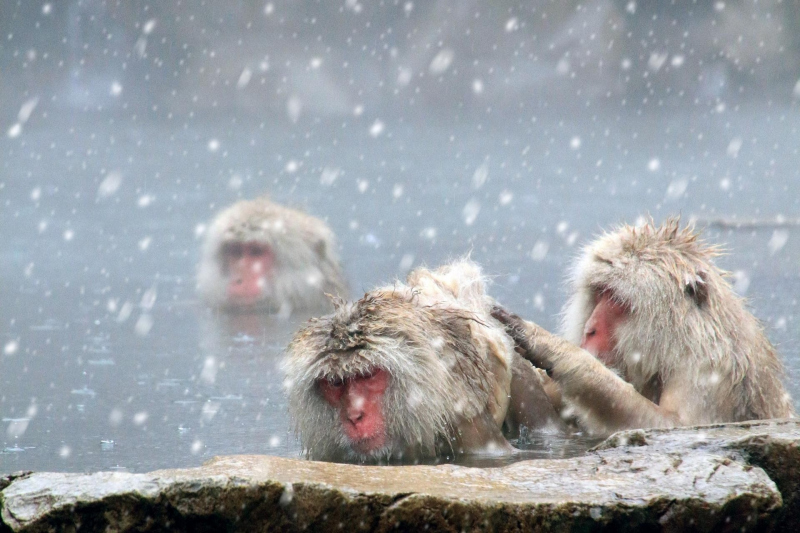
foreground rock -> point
(727, 477)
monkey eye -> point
(234, 250)
(368, 374)
(257, 250)
(335, 382)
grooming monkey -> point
(260, 255)
(655, 337)
(410, 371)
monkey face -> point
(367, 384)
(600, 330)
(249, 268)
(374, 409)
(258, 255)
(359, 401)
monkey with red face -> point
(410, 371)
(655, 337)
(260, 255)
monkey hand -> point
(525, 335)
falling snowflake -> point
(11, 348)
(741, 282)
(442, 61)
(110, 184)
(779, 239)
(676, 189)
(734, 146)
(143, 325)
(428, 233)
(115, 417)
(149, 26)
(376, 129)
(14, 131)
(294, 107)
(244, 78)
(145, 200)
(470, 211)
(406, 262)
(329, 175)
(480, 176)
(539, 251)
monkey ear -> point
(696, 287)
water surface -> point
(110, 362)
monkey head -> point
(642, 293)
(260, 255)
(399, 373)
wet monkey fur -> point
(654, 336)
(260, 255)
(410, 371)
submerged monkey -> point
(410, 371)
(655, 337)
(260, 255)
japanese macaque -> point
(655, 337)
(260, 255)
(410, 371)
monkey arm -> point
(604, 401)
(481, 435)
(534, 400)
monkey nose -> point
(355, 416)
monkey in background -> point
(411, 371)
(655, 337)
(260, 255)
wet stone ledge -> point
(735, 477)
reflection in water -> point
(222, 331)
(529, 447)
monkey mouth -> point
(368, 444)
(244, 301)
(246, 306)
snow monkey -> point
(260, 255)
(665, 341)
(410, 371)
